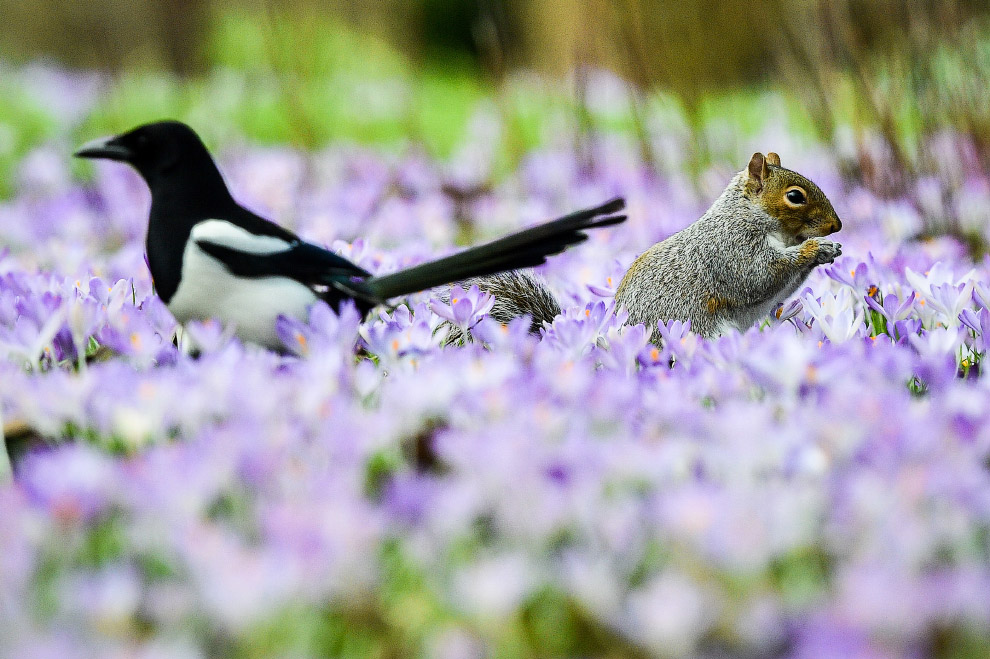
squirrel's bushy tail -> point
(516, 294)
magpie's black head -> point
(155, 150)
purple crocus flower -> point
(402, 337)
(29, 340)
(787, 311)
(835, 315)
(325, 331)
(950, 300)
(980, 324)
(73, 484)
(611, 283)
(513, 336)
(981, 294)
(464, 308)
(891, 308)
(857, 278)
(622, 347)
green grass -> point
(24, 124)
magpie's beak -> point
(108, 148)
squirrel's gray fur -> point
(517, 293)
(729, 268)
(751, 250)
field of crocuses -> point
(818, 486)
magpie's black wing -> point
(523, 249)
(242, 250)
(301, 261)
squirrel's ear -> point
(757, 172)
(773, 159)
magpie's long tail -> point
(523, 249)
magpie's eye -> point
(796, 196)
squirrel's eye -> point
(795, 196)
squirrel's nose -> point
(838, 225)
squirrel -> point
(752, 249)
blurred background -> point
(691, 47)
(897, 91)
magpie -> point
(212, 258)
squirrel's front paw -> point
(828, 251)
